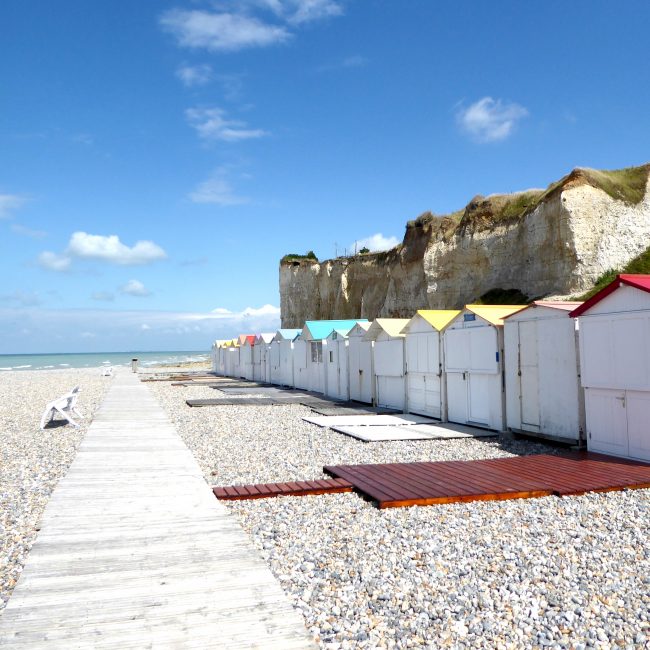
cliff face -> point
(542, 243)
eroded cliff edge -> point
(553, 242)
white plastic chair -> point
(107, 371)
(63, 406)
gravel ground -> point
(32, 461)
(556, 573)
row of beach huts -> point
(568, 371)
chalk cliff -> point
(556, 242)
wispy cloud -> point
(103, 296)
(353, 61)
(105, 248)
(58, 329)
(28, 232)
(195, 75)
(490, 120)
(135, 288)
(376, 242)
(220, 31)
(298, 12)
(9, 203)
(22, 298)
(217, 189)
(83, 138)
(211, 124)
(54, 262)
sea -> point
(95, 359)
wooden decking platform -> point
(294, 488)
(407, 484)
(134, 551)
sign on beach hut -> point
(360, 364)
(425, 382)
(614, 330)
(542, 371)
(336, 364)
(281, 357)
(473, 363)
(389, 361)
(313, 375)
(261, 357)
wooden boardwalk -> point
(134, 551)
(291, 489)
(406, 484)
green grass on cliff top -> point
(640, 264)
(627, 185)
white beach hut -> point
(473, 363)
(543, 393)
(313, 376)
(360, 364)
(232, 359)
(389, 372)
(614, 330)
(262, 357)
(426, 387)
(281, 357)
(301, 350)
(336, 365)
(246, 357)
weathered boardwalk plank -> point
(134, 551)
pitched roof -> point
(561, 305)
(438, 318)
(264, 337)
(494, 314)
(317, 330)
(362, 326)
(286, 334)
(392, 326)
(637, 281)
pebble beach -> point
(535, 573)
(31, 460)
(565, 573)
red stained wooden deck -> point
(407, 484)
(294, 488)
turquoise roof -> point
(321, 329)
(288, 334)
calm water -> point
(94, 359)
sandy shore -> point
(32, 461)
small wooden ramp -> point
(293, 488)
(406, 484)
(135, 552)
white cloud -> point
(23, 298)
(103, 296)
(297, 12)
(88, 335)
(135, 288)
(111, 249)
(376, 242)
(58, 329)
(9, 203)
(54, 262)
(28, 232)
(195, 75)
(216, 189)
(490, 120)
(220, 31)
(211, 124)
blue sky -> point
(158, 157)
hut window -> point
(317, 352)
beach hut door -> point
(529, 376)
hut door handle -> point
(622, 399)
